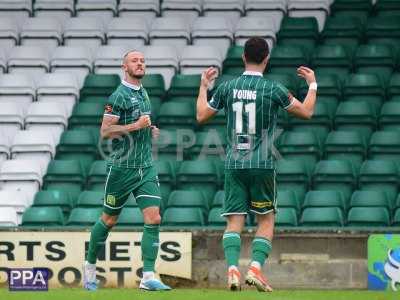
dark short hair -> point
(255, 50)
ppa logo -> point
(35, 279)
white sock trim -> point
(255, 264)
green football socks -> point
(231, 244)
(150, 244)
(261, 248)
(98, 236)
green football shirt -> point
(133, 149)
(251, 103)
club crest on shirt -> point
(110, 199)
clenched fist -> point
(143, 122)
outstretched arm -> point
(305, 110)
(204, 112)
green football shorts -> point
(121, 182)
(249, 190)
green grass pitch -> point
(194, 294)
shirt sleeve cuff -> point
(111, 115)
(213, 108)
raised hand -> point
(208, 76)
(307, 74)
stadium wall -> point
(309, 260)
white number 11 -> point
(249, 108)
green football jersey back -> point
(133, 149)
(251, 105)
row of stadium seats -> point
(189, 217)
(191, 9)
(177, 32)
(173, 115)
(344, 144)
(36, 61)
(292, 174)
(62, 87)
(105, 10)
(193, 198)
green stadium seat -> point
(389, 118)
(362, 5)
(86, 114)
(282, 121)
(198, 173)
(368, 216)
(302, 146)
(233, 63)
(187, 198)
(351, 116)
(332, 59)
(215, 219)
(84, 216)
(370, 199)
(183, 217)
(320, 123)
(322, 217)
(184, 86)
(77, 144)
(346, 145)
(385, 145)
(65, 175)
(208, 144)
(217, 122)
(383, 30)
(383, 6)
(286, 217)
(43, 216)
(366, 88)
(130, 217)
(53, 198)
(166, 176)
(154, 85)
(287, 80)
(292, 175)
(221, 79)
(324, 199)
(131, 202)
(334, 175)
(167, 145)
(396, 218)
(344, 31)
(100, 85)
(375, 59)
(287, 58)
(393, 88)
(287, 198)
(299, 31)
(177, 115)
(97, 175)
(90, 199)
(329, 91)
(360, 15)
(379, 175)
(219, 199)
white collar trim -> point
(130, 85)
(253, 73)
